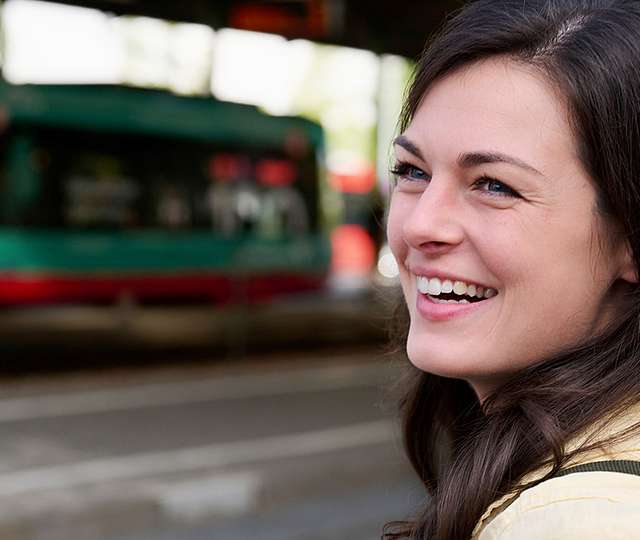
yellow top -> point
(584, 505)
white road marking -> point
(218, 388)
(201, 457)
(221, 494)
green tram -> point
(111, 190)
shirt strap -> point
(619, 466)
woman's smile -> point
(444, 298)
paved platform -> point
(330, 318)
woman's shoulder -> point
(583, 505)
(556, 498)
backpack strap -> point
(619, 466)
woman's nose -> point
(436, 222)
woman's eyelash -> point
(488, 184)
(500, 189)
(403, 169)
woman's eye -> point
(494, 187)
(409, 172)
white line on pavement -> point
(217, 455)
(222, 494)
(218, 388)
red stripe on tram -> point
(16, 289)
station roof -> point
(379, 25)
(152, 112)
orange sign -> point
(297, 19)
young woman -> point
(515, 222)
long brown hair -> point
(469, 454)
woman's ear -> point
(628, 268)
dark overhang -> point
(384, 26)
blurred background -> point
(195, 287)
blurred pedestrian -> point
(514, 220)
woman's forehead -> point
(493, 105)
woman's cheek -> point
(395, 223)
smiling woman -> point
(485, 196)
(514, 223)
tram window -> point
(98, 192)
(99, 180)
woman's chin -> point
(446, 361)
(435, 362)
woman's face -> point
(494, 225)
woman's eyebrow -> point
(473, 159)
(470, 159)
(408, 146)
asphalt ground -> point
(188, 449)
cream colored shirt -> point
(584, 506)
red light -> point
(276, 172)
(357, 182)
(353, 250)
(227, 167)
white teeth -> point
(443, 301)
(435, 286)
(423, 285)
(460, 288)
(490, 292)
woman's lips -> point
(433, 311)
